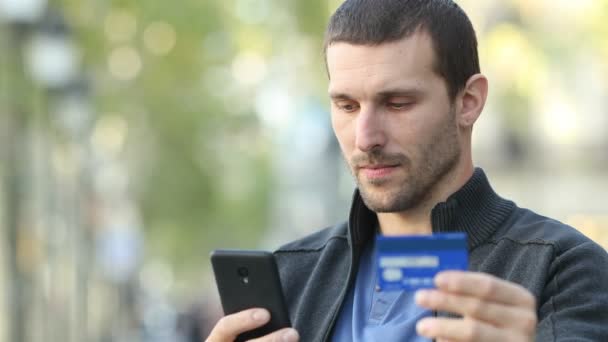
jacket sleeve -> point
(574, 303)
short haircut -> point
(373, 22)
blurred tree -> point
(200, 164)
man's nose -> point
(370, 132)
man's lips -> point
(376, 166)
(377, 170)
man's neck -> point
(417, 220)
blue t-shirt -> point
(369, 314)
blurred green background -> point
(137, 136)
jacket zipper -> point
(334, 316)
(435, 314)
(351, 271)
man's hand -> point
(492, 309)
(229, 327)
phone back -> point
(248, 279)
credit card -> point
(411, 262)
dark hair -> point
(373, 22)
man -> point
(406, 89)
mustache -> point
(377, 157)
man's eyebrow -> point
(339, 96)
(406, 92)
(386, 93)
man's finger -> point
(453, 329)
(497, 314)
(486, 287)
(230, 326)
(283, 335)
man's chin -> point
(381, 207)
(379, 202)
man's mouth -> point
(377, 171)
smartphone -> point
(248, 279)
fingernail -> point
(260, 315)
(290, 336)
(421, 296)
(441, 280)
(423, 327)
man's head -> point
(405, 93)
(374, 22)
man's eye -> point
(399, 105)
(347, 107)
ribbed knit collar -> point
(475, 209)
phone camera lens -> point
(243, 271)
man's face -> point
(393, 119)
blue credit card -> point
(411, 262)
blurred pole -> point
(53, 64)
(4, 110)
(15, 128)
(72, 114)
(19, 16)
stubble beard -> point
(438, 156)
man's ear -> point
(472, 100)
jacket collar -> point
(475, 209)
